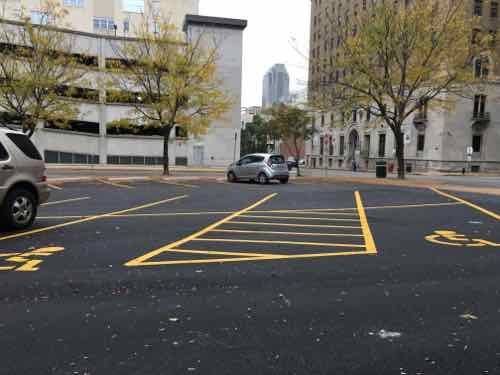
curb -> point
(423, 184)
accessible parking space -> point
(164, 278)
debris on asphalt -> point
(383, 334)
(173, 319)
(285, 300)
(469, 317)
(475, 222)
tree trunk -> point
(166, 168)
(400, 153)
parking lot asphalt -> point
(217, 278)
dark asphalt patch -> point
(85, 312)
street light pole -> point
(235, 141)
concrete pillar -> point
(103, 141)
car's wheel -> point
(231, 177)
(19, 209)
(262, 178)
(284, 180)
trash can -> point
(381, 169)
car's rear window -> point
(25, 145)
(3, 153)
(277, 159)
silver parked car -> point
(23, 183)
(259, 167)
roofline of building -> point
(223, 23)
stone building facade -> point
(433, 140)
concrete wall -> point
(218, 147)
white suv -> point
(23, 185)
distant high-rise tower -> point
(276, 86)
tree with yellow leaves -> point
(173, 79)
(393, 60)
(38, 70)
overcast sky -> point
(276, 28)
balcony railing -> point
(481, 119)
(481, 116)
(420, 120)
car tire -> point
(284, 180)
(231, 177)
(262, 178)
(19, 209)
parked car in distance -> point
(291, 164)
(259, 167)
(23, 184)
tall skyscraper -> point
(276, 86)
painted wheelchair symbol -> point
(24, 262)
(450, 238)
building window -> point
(366, 145)
(180, 132)
(481, 69)
(103, 24)
(477, 141)
(126, 25)
(135, 6)
(381, 145)
(421, 142)
(354, 115)
(330, 143)
(341, 145)
(39, 18)
(494, 9)
(479, 105)
(478, 7)
(321, 145)
(73, 3)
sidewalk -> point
(475, 183)
(483, 184)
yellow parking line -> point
(142, 260)
(369, 241)
(287, 233)
(336, 210)
(62, 217)
(65, 201)
(292, 225)
(92, 218)
(320, 244)
(226, 253)
(176, 184)
(472, 205)
(256, 259)
(116, 184)
(296, 218)
(55, 187)
(342, 214)
(208, 213)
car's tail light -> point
(43, 179)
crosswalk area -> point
(256, 234)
